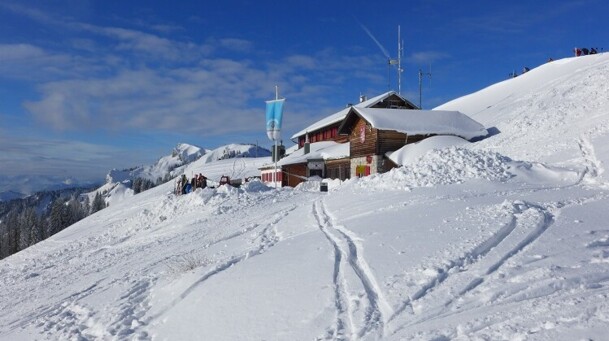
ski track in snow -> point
(344, 245)
(72, 318)
(267, 239)
(500, 248)
(474, 259)
(544, 219)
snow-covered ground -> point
(503, 239)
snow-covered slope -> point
(546, 114)
(504, 239)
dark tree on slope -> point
(30, 227)
(58, 217)
(13, 232)
(63, 214)
(21, 226)
(140, 185)
(98, 203)
(36, 230)
(76, 211)
(3, 240)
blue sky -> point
(86, 86)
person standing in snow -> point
(184, 183)
(578, 52)
(202, 180)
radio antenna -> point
(421, 75)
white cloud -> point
(26, 61)
(51, 157)
(130, 80)
(12, 52)
(203, 94)
(147, 45)
(427, 57)
(239, 45)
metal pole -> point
(420, 89)
(275, 140)
(399, 63)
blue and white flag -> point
(274, 116)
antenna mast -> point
(400, 52)
(398, 61)
(421, 74)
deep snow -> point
(503, 239)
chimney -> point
(307, 145)
(362, 98)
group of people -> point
(584, 51)
(183, 185)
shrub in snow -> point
(186, 263)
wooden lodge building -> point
(356, 140)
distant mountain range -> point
(10, 195)
(17, 187)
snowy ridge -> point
(542, 113)
(181, 155)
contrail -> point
(375, 40)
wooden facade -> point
(368, 145)
(330, 132)
(294, 174)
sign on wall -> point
(316, 165)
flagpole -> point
(276, 156)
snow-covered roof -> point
(339, 116)
(422, 122)
(325, 150)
